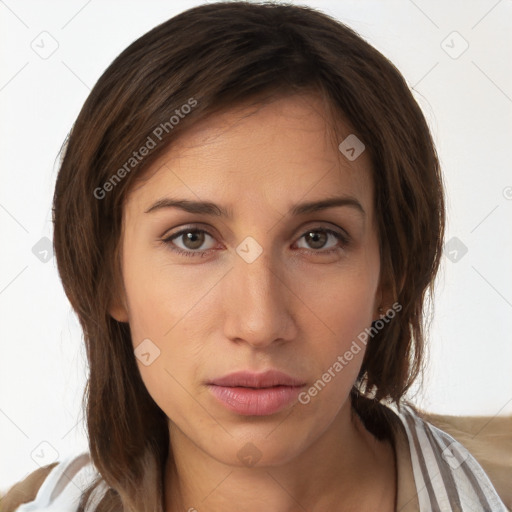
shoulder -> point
(447, 475)
(56, 487)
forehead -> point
(284, 152)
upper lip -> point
(266, 379)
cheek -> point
(163, 306)
(350, 311)
(344, 307)
(155, 292)
(344, 303)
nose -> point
(258, 302)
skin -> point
(294, 308)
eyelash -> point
(190, 253)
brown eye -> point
(191, 241)
(317, 239)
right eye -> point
(193, 237)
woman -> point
(248, 216)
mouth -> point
(252, 394)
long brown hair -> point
(213, 57)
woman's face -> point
(259, 287)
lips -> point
(268, 379)
(256, 394)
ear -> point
(118, 311)
(385, 296)
(118, 308)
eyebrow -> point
(209, 208)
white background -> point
(467, 101)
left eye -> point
(193, 239)
(312, 236)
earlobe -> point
(118, 312)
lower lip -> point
(255, 402)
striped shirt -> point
(446, 477)
(435, 474)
